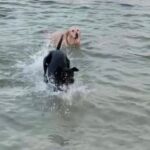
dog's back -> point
(58, 59)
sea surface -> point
(108, 107)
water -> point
(109, 105)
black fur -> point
(59, 43)
(57, 65)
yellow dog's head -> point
(73, 36)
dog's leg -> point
(45, 79)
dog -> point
(71, 38)
(57, 69)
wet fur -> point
(57, 65)
(71, 38)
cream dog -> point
(70, 38)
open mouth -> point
(71, 81)
(68, 80)
(76, 37)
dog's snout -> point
(76, 36)
(71, 80)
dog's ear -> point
(74, 69)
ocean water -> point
(107, 108)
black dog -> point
(57, 67)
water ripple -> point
(107, 107)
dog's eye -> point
(72, 30)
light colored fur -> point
(69, 38)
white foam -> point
(76, 91)
(33, 72)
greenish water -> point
(107, 108)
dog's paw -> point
(45, 79)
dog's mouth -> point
(71, 80)
(76, 36)
(68, 80)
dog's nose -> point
(76, 36)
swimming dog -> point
(71, 37)
(57, 68)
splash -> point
(76, 92)
(32, 72)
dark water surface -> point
(109, 105)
